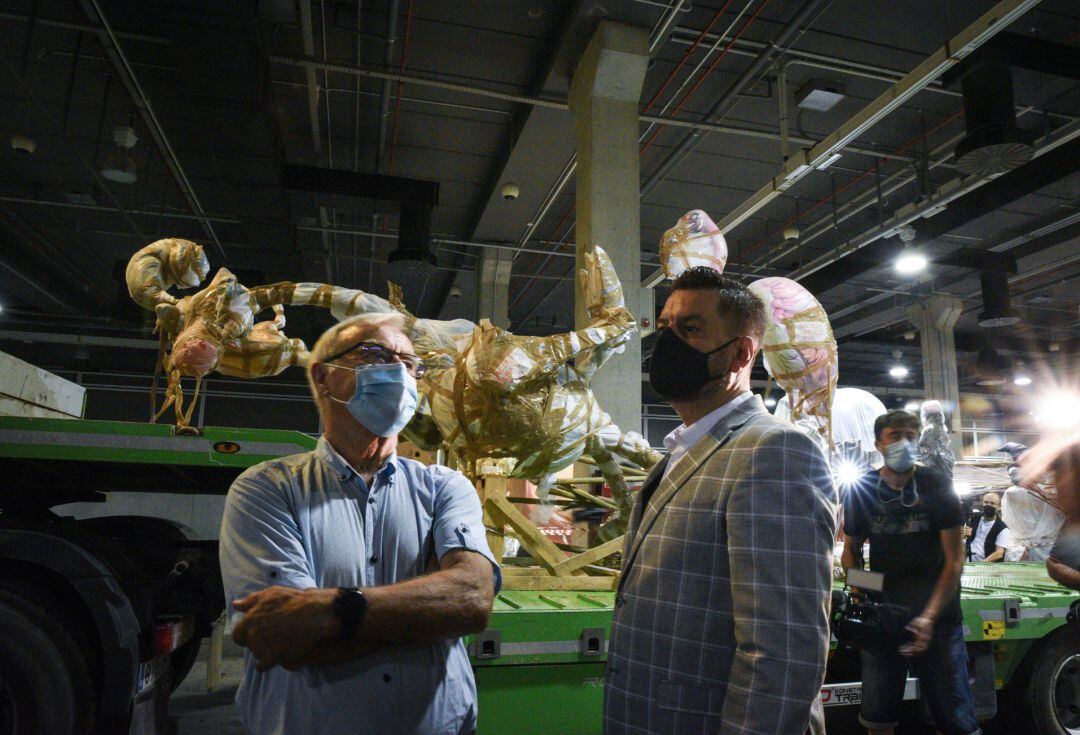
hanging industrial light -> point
(118, 165)
(898, 371)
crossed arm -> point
(289, 627)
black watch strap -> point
(350, 605)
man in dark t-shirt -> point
(912, 519)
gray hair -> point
(330, 340)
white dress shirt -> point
(679, 442)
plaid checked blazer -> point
(721, 619)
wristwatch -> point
(350, 605)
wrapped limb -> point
(427, 335)
(606, 307)
(799, 349)
(159, 266)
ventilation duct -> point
(997, 308)
(412, 259)
(993, 144)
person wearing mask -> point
(988, 539)
(352, 572)
(912, 519)
(721, 616)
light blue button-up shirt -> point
(310, 520)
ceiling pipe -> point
(118, 61)
(955, 50)
(944, 194)
(551, 103)
(101, 208)
(798, 57)
(387, 87)
(307, 37)
(728, 100)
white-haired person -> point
(352, 572)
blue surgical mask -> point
(384, 400)
(900, 456)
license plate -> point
(843, 695)
(150, 672)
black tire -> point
(1047, 697)
(45, 686)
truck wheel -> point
(45, 686)
(1050, 697)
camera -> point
(867, 619)
(510, 191)
(866, 622)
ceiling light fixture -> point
(910, 262)
(898, 370)
(770, 402)
(912, 406)
(118, 165)
(1022, 379)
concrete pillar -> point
(604, 94)
(493, 288)
(935, 317)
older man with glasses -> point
(352, 572)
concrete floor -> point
(198, 712)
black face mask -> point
(677, 370)
(989, 512)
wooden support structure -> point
(551, 567)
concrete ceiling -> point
(234, 110)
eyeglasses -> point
(373, 353)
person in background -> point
(353, 573)
(988, 539)
(721, 619)
(1058, 456)
(912, 518)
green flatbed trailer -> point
(540, 664)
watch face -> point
(351, 605)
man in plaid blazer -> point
(721, 618)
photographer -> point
(912, 519)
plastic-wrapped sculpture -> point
(694, 240)
(1029, 510)
(497, 394)
(486, 393)
(213, 329)
(853, 413)
(799, 350)
(935, 448)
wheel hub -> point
(1066, 694)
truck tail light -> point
(169, 634)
